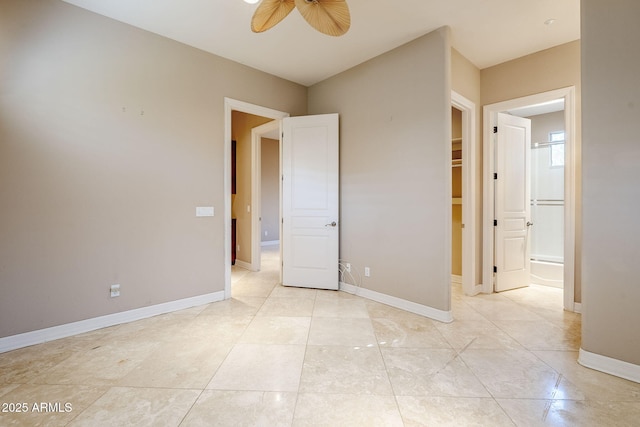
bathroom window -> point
(557, 148)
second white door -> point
(310, 197)
(512, 203)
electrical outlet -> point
(347, 267)
(115, 291)
(266, 233)
(367, 272)
(238, 248)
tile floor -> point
(275, 356)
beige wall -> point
(543, 71)
(395, 168)
(110, 137)
(543, 124)
(611, 196)
(270, 203)
(465, 80)
(241, 125)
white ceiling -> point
(487, 32)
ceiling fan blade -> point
(330, 17)
(269, 13)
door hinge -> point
(495, 269)
(495, 129)
(495, 175)
(495, 222)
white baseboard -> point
(412, 307)
(577, 307)
(456, 279)
(62, 331)
(270, 243)
(608, 365)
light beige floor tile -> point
(493, 297)
(332, 295)
(6, 388)
(463, 311)
(593, 384)
(193, 311)
(122, 406)
(277, 330)
(430, 372)
(280, 291)
(237, 273)
(517, 374)
(341, 332)
(537, 296)
(237, 306)
(51, 405)
(346, 370)
(476, 334)
(179, 364)
(408, 332)
(102, 365)
(539, 334)
(156, 328)
(97, 334)
(378, 310)
(293, 307)
(215, 328)
(568, 320)
(346, 410)
(252, 287)
(260, 367)
(495, 309)
(562, 413)
(340, 306)
(241, 408)
(452, 411)
(29, 363)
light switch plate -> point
(204, 211)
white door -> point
(512, 203)
(310, 231)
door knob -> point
(333, 224)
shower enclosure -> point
(547, 203)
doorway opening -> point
(465, 213)
(265, 189)
(554, 241)
(456, 196)
(242, 205)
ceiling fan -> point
(330, 17)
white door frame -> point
(490, 120)
(229, 106)
(257, 133)
(470, 284)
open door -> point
(310, 230)
(512, 203)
